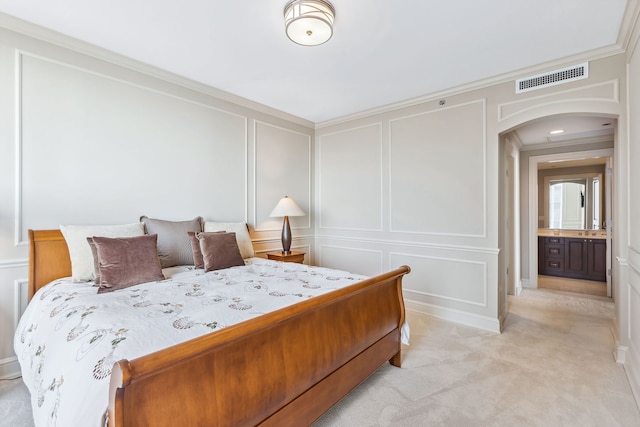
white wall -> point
(413, 186)
(629, 287)
(440, 166)
(85, 141)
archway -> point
(524, 186)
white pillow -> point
(82, 266)
(242, 235)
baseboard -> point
(9, 368)
(456, 316)
(526, 283)
(620, 354)
(632, 369)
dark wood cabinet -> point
(575, 258)
(597, 259)
(553, 255)
(578, 258)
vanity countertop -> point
(591, 234)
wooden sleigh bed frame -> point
(284, 368)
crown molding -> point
(590, 55)
(46, 35)
(628, 39)
(629, 36)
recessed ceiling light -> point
(556, 132)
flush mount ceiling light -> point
(309, 22)
(557, 131)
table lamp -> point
(286, 207)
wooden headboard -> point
(48, 258)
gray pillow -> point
(174, 245)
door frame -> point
(533, 207)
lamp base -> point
(286, 236)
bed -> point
(283, 368)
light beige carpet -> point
(566, 284)
(552, 366)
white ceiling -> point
(538, 133)
(382, 51)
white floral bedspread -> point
(69, 336)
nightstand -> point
(294, 256)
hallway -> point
(578, 286)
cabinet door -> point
(575, 260)
(541, 269)
(597, 259)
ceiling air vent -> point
(552, 78)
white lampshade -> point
(309, 22)
(287, 207)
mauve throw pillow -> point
(198, 262)
(127, 261)
(242, 235)
(219, 250)
(174, 246)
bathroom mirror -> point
(573, 202)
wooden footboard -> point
(285, 368)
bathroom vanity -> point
(580, 254)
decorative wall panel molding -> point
(21, 299)
(15, 263)
(445, 278)
(438, 172)
(452, 315)
(410, 244)
(350, 179)
(632, 353)
(11, 310)
(606, 91)
(278, 172)
(76, 122)
(355, 260)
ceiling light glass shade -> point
(309, 22)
